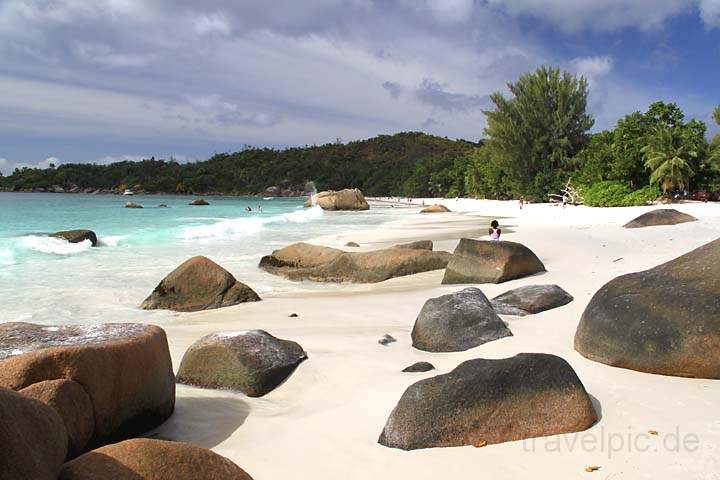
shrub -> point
(642, 196)
(618, 194)
(606, 194)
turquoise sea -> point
(47, 280)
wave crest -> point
(249, 225)
(56, 246)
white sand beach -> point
(324, 421)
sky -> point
(109, 80)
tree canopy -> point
(535, 134)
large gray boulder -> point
(302, 261)
(198, 284)
(662, 216)
(346, 199)
(124, 368)
(251, 361)
(491, 401)
(485, 261)
(456, 322)
(530, 299)
(664, 320)
(77, 236)
(33, 440)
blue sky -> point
(106, 80)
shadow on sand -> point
(204, 421)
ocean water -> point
(49, 281)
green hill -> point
(400, 164)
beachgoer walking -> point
(522, 202)
(494, 231)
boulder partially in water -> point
(484, 261)
(199, 202)
(149, 459)
(530, 299)
(302, 261)
(77, 236)
(457, 322)
(661, 216)
(33, 440)
(250, 361)
(491, 401)
(346, 199)
(198, 284)
(132, 205)
(665, 320)
(125, 368)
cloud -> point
(50, 162)
(394, 89)
(599, 15)
(213, 23)
(4, 166)
(710, 12)
(435, 94)
(104, 55)
(592, 68)
(445, 11)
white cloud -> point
(4, 166)
(214, 23)
(592, 68)
(49, 162)
(710, 12)
(104, 55)
(446, 11)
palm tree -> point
(667, 156)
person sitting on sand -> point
(494, 231)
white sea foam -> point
(6, 257)
(112, 240)
(53, 245)
(248, 225)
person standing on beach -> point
(522, 201)
(495, 231)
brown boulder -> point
(199, 202)
(198, 284)
(125, 368)
(73, 404)
(484, 261)
(665, 320)
(435, 209)
(418, 245)
(147, 459)
(251, 361)
(132, 205)
(302, 261)
(491, 401)
(661, 216)
(346, 199)
(77, 236)
(33, 440)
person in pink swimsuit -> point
(495, 231)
